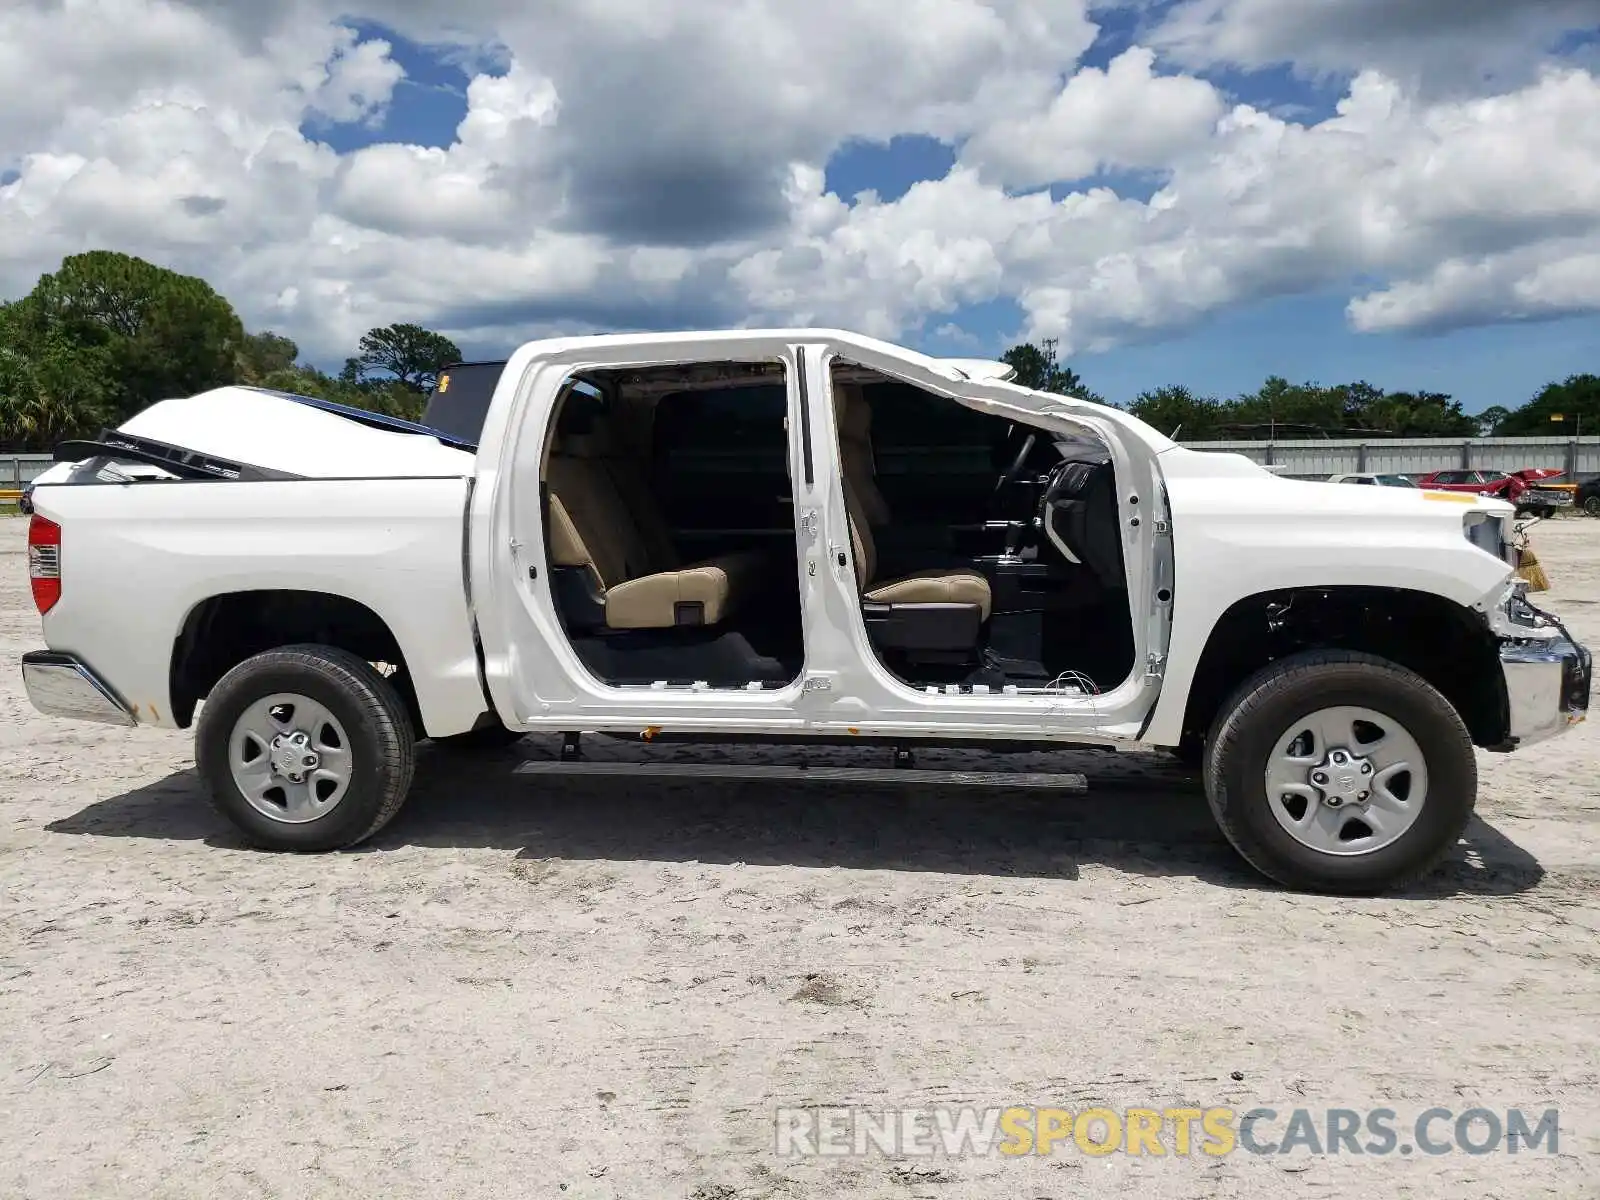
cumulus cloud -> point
(1449, 43)
(627, 164)
(1125, 116)
(1550, 279)
(360, 78)
(1501, 186)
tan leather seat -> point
(936, 586)
(628, 550)
(854, 417)
(863, 500)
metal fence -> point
(18, 469)
(1317, 459)
(1311, 459)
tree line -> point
(1282, 409)
(108, 334)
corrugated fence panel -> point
(1313, 458)
(18, 469)
(1415, 456)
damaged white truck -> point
(777, 536)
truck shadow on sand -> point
(1147, 817)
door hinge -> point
(817, 683)
(1155, 666)
(808, 522)
(1162, 527)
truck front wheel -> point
(1339, 772)
(305, 748)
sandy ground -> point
(604, 987)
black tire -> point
(485, 737)
(375, 721)
(1261, 711)
(1592, 506)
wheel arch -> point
(223, 630)
(1445, 643)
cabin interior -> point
(987, 553)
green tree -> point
(407, 354)
(1491, 418)
(50, 389)
(385, 396)
(158, 333)
(265, 354)
(1175, 410)
(1279, 408)
(1038, 368)
(1431, 414)
(1576, 399)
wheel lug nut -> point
(1366, 768)
(1362, 796)
(1319, 777)
(1334, 802)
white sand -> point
(603, 988)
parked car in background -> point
(1367, 477)
(1522, 488)
(1586, 495)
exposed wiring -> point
(1073, 679)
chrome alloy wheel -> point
(290, 758)
(1346, 781)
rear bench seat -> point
(627, 550)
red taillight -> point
(44, 562)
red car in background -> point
(1519, 487)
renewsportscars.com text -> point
(1157, 1132)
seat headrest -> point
(852, 412)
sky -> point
(1177, 191)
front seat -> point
(854, 417)
(609, 572)
(936, 612)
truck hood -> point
(1236, 481)
(298, 435)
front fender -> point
(1236, 536)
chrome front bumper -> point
(1547, 687)
(59, 685)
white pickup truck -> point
(781, 535)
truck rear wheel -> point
(1332, 771)
(305, 748)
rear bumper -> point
(1547, 687)
(60, 685)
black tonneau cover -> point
(376, 420)
(459, 403)
(175, 460)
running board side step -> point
(1057, 781)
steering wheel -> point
(1021, 458)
